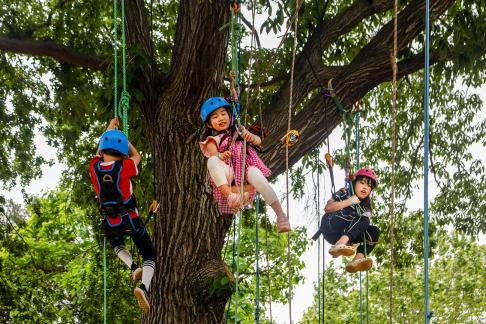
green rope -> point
(115, 60)
(125, 96)
(347, 133)
(120, 110)
(235, 67)
(122, 106)
(105, 300)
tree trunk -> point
(189, 232)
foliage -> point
(52, 254)
(273, 265)
(455, 289)
(51, 266)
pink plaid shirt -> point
(225, 142)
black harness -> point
(111, 199)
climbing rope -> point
(294, 49)
(121, 111)
(234, 74)
(427, 315)
(257, 253)
(347, 119)
(317, 202)
(393, 156)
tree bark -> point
(189, 233)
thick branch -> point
(369, 68)
(320, 116)
(326, 33)
(53, 50)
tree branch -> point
(53, 50)
(367, 70)
(326, 33)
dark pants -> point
(333, 226)
(139, 235)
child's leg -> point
(360, 263)
(258, 180)
(144, 245)
(121, 251)
(220, 172)
(260, 183)
(372, 234)
(358, 226)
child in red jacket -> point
(111, 171)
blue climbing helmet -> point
(115, 140)
(211, 105)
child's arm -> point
(133, 154)
(213, 150)
(113, 124)
(333, 206)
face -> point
(219, 119)
(362, 188)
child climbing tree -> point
(177, 57)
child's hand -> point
(355, 200)
(225, 155)
(114, 123)
(247, 136)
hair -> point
(113, 152)
(365, 203)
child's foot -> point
(341, 249)
(363, 264)
(283, 224)
(136, 276)
(142, 296)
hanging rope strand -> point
(393, 157)
(427, 316)
(257, 253)
(318, 194)
(289, 261)
(125, 96)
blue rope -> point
(427, 316)
(232, 267)
(257, 252)
(318, 244)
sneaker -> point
(136, 276)
(364, 264)
(142, 296)
(341, 250)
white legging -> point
(222, 174)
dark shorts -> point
(116, 231)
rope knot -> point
(124, 100)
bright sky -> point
(299, 215)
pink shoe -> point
(283, 224)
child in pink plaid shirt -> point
(225, 162)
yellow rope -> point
(289, 263)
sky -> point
(301, 213)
